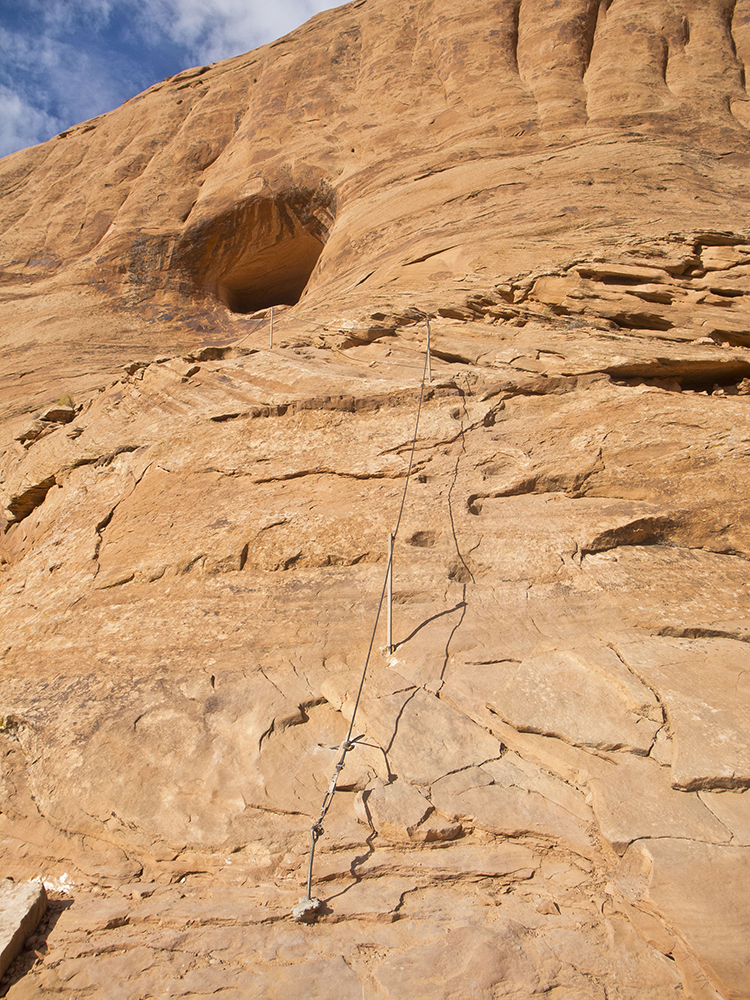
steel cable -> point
(308, 906)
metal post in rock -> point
(271, 329)
(389, 639)
(429, 360)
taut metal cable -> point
(308, 906)
(328, 327)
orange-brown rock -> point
(549, 788)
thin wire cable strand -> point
(330, 328)
(390, 557)
(316, 830)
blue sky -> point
(63, 61)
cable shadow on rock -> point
(428, 621)
(454, 480)
(463, 604)
(360, 859)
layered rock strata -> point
(550, 790)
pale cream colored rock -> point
(494, 859)
(506, 801)
(512, 768)
(732, 809)
(722, 258)
(423, 736)
(373, 900)
(467, 689)
(97, 915)
(22, 906)
(636, 801)
(397, 810)
(437, 828)
(663, 749)
(636, 969)
(703, 685)
(651, 929)
(693, 886)
(574, 695)
(193, 945)
(340, 688)
(118, 973)
(471, 961)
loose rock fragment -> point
(22, 906)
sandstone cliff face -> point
(550, 793)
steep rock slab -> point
(567, 695)
(196, 524)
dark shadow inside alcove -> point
(276, 275)
(261, 252)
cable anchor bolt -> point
(306, 910)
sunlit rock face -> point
(550, 793)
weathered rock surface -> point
(21, 908)
(549, 786)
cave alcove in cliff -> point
(262, 252)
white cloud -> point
(222, 28)
(67, 60)
(56, 15)
(48, 84)
(21, 123)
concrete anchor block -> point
(22, 906)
